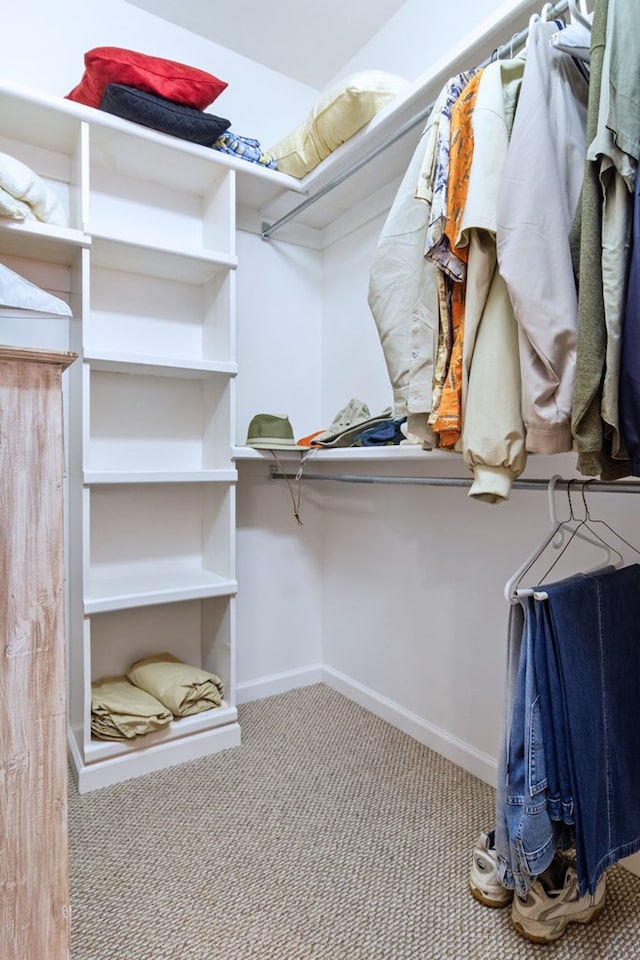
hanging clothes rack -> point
(508, 48)
(613, 486)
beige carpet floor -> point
(328, 835)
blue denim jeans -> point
(595, 622)
(552, 718)
(569, 768)
(527, 835)
(515, 628)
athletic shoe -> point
(553, 902)
(483, 879)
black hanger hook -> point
(571, 513)
(585, 484)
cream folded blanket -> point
(183, 689)
(120, 710)
(25, 196)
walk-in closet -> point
(345, 610)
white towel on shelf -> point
(16, 291)
(25, 195)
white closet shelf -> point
(36, 117)
(144, 154)
(358, 454)
(111, 362)
(184, 727)
(54, 123)
(265, 195)
(92, 477)
(148, 758)
(428, 464)
(189, 266)
(149, 269)
(139, 588)
(41, 241)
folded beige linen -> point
(120, 710)
(183, 689)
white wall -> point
(280, 358)
(354, 362)
(279, 333)
(45, 44)
(414, 614)
(279, 608)
(418, 35)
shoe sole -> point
(535, 932)
(489, 901)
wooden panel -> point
(34, 907)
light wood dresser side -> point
(34, 873)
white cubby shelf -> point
(146, 262)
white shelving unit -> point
(147, 265)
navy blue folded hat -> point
(163, 115)
(384, 433)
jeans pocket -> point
(535, 750)
(537, 839)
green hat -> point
(269, 431)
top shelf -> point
(263, 196)
(54, 124)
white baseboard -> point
(479, 764)
(278, 683)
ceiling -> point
(308, 42)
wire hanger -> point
(593, 522)
(562, 533)
(585, 531)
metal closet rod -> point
(613, 486)
(518, 39)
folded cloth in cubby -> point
(121, 711)
(183, 689)
(15, 291)
(25, 196)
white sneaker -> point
(553, 902)
(483, 879)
